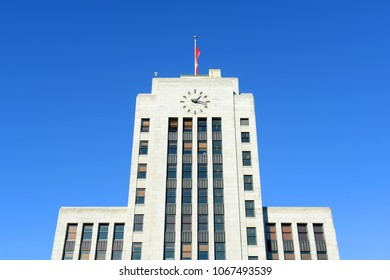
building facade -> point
(195, 187)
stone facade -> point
(190, 100)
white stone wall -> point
(305, 215)
(88, 215)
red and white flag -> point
(197, 53)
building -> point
(195, 187)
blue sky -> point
(70, 72)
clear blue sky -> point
(70, 72)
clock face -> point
(195, 102)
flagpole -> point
(195, 56)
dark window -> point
(171, 172)
(145, 125)
(203, 251)
(103, 232)
(217, 171)
(245, 137)
(202, 222)
(187, 196)
(202, 171)
(202, 125)
(186, 251)
(187, 125)
(187, 171)
(302, 232)
(119, 230)
(187, 147)
(218, 196)
(172, 147)
(219, 251)
(249, 208)
(136, 251)
(143, 147)
(138, 222)
(246, 158)
(253, 258)
(248, 182)
(217, 147)
(186, 222)
(171, 196)
(141, 171)
(320, 241)
(116, 255)
(169, 251)
(87, 232)
(202, 147)
(172, 125)
(244, 121)
(219, 223)
(170, 222)
(251, 236)
(140, 196)
(216, 125)
(202, 196)
(70, 236)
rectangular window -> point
(136, 251)
(171, 196)
(102, 236)
(245, 138)
(171, 171)
(169, 251)
(70, 237)
(251, 236)
(119, 230)
(288, 244)
(103, 232)
(143, 147)
(172, 147)
(202, 147)
(202, 196)
(145, 125)
(138, 222)
(87, 232)
(186, 196)
(216, 125)
(186, 251)
(219, 223)
(249, 208)
(244, 121)
(246, 158)
(220, 252)
(252, 258)
(140, 196)
(203, 251)
(320, 241)
(286, 232)
(141, 171)
(270, 236)
(187, 147)
(187, 171)
(217, 147)
(187, 125)
(218, 196)
(217, 171)
(202, 222)
(173, 124)
(71, 232)
(186, 222)
(202, 171)
(202, 125)
(248, 183)
(170, 222)
(304, 242)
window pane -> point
(244, 121)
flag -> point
(197, 53)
